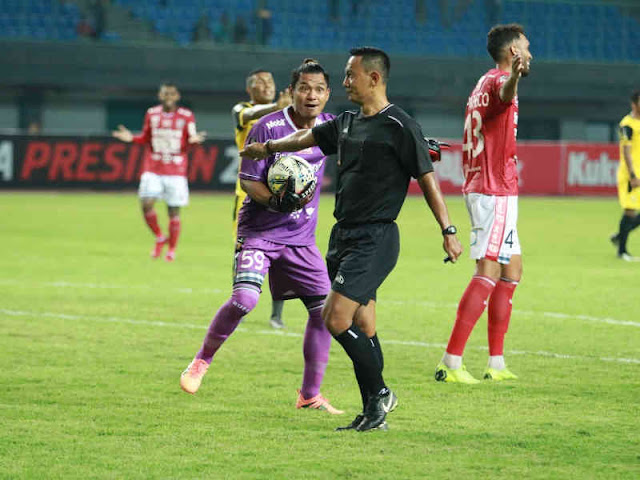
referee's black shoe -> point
(353, 425)
(376, 411)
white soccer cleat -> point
(628, 258)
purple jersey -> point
(257, 221)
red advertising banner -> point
(545, 168)
(103, 163)
(590, 169)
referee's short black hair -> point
(373, 59)
(500, 36)
(635, 97)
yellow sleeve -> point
(237, 111)
(625, 133)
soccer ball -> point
(297, 168)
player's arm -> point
(258, 191)
(291, 143)
(628, 160)
(125, 135)
(509, 89)
(433, 196)
(257, 111)
(626, 133)
(193, 136)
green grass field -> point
(94, 336)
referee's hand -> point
(452, 246)
(255, 151)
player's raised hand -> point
(198, 137)
(452, 246)
(255, 151)
(284, 99)
(123, 133)
(517, 65)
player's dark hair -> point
(635, 97)
(500, 36)
(308, 65)
(373, 59)
(168, 83)
(254, 72)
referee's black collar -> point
(361, 116)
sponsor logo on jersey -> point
(180, 123)
(275, 123)
(155, 121)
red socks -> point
(471, 306)
(174, 232)
(152, 220)
(499, 315)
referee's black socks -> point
(378, 349)
(366, 363)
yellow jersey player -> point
(262, 92)
(628, 182)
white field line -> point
(440, 346)
(420, 303)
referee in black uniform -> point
(380, 147)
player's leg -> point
(251, 268)
(176, 192)
(315, 348)
(628, 223)
(500, 303)
(300, 272)
(149, 191)
(174, 232)
(500, 306)
(485, 222)
(275, 320)
(277, 306)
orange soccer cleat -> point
(191, 378)
(318, 403)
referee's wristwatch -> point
(450, 230)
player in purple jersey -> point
(277, 236)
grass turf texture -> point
(94, 335)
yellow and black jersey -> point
(241, 130)
(629, 133)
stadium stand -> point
(585, 30)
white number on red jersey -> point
(473, 135)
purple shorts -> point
(294, 272)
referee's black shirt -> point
(377, 156)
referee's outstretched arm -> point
(433, 196)
(291, 143)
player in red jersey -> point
(168, 131)
(491, 195)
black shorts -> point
(360, 258)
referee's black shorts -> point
(360, 258)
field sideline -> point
(94, 335)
